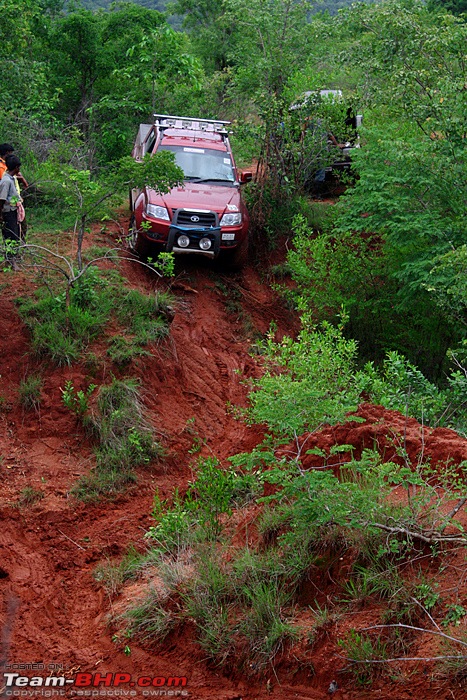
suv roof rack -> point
(168, 121)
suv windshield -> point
(203, 164)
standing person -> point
(5, 150)
(10, 204)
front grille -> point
(184, 217)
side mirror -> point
(246, 176)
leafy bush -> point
(336, 268)
(210, 495)
(196, 517)
(331, 271)
(77, 401)
(313, 380)
(308, 381)
(399, 385)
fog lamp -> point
(183, 241)
(205, 244)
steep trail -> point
(52, 610)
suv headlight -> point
(231, 219)
(157, 212)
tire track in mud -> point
(208, 361)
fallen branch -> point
(403, 658)
(69, 538)
(400, 625)
(431, 538)
(460, 503)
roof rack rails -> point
(190, 123)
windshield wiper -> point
(208, 179)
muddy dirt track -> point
(53, 612)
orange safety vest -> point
(3, 168)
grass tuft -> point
(30, 495)
(125, 440)
(30, 392)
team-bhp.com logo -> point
(94, 685)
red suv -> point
(206, 215)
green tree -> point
(75, 42)
(209, 32)
(87, 198)
(457, 7)
(156, 62)
(26, 88)
(268, 44)
(147, 67)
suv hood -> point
(198, 196)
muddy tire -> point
(132, 235)
(138, 245)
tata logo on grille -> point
(194, 219)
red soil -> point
(52, 609)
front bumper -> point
(195, 235)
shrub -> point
(196, 517)
(77, 401)
(399, 385)
(308, 381)
(176, 527)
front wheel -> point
(138, 244)
(238, 258)
(132, 235)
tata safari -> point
(206, 214)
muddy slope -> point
(52, 611)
